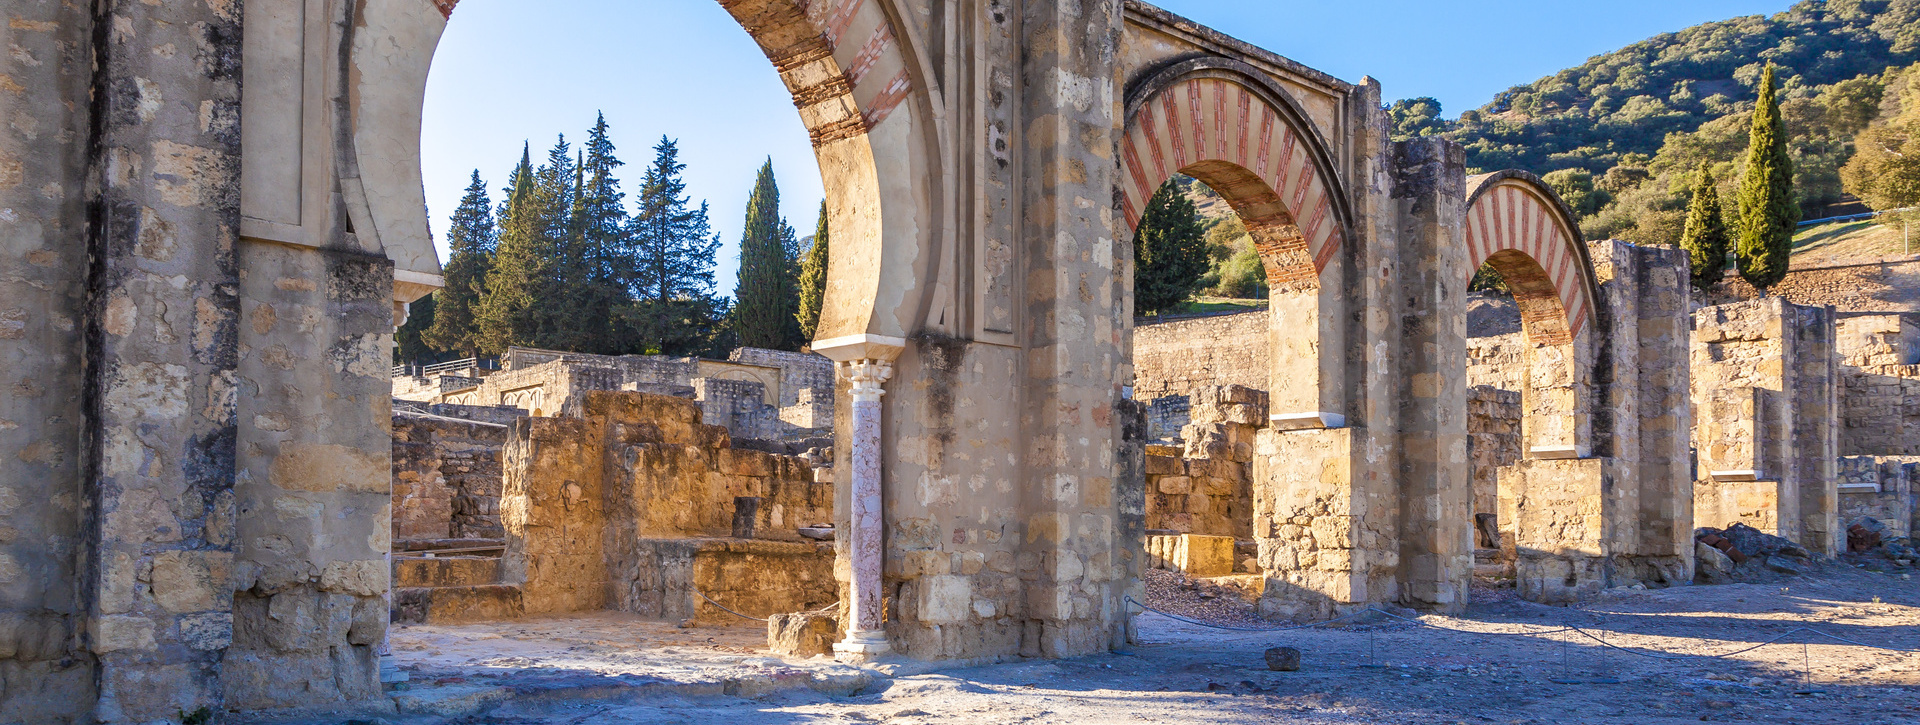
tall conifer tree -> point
(766, 298)
(1767, 211)
(516, 265)
(1170, 252)
(470, 242)
(813, 279)
(1705, 238)
(671, 245)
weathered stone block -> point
(1205, 556)
(806, 634)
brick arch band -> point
(1517, 224)
(1220, 121)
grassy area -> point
(1207, 305)
(1851, 240)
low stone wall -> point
(446, 478)
(665, 578)
(1891, 283)
(1177, 357)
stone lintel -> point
(1737, 475)
(1556, 453)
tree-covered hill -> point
(1622, 134)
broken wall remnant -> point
(630, 506)
(1493, 442)
(1765, 377)
(446, 477)
(1883, 488)
(1206, 486)
(1879, 385)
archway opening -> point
(660, 459)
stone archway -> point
(1222, 122)
(1517, 225)
(1547, 527)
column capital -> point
(867, 376)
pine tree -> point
(1706, 236)
(766, 297)
(813, 279)
(1767, 211)
(1170, 250)
(671, 247)
(470, 242)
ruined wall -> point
(739, 406)
(587, 499)
(1497, 361)
(1880, 385)
(1765, 379)
(1206, 486)
(1883, 488)
(1493, 441)
(446, 478)
(806, 384)
(1176, 357)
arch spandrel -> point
(852, 82)
(1514, 212)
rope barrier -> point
(723, 607)
(1534, 633)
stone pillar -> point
(866, 631)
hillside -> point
(1621, 135)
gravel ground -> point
(1390, 673)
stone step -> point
(457, 605)
(445, 571)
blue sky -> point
(510, 71)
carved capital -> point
(867, 376)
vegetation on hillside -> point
(1622, 136)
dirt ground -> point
(1391, 672)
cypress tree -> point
(670, 246)
(766, 297)
(1170, 250)
(1706, 236)
(508, 288)
(1767, 211)
(470, 241)
(813, 278)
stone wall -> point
(1765, 388)
(1497, 361)
(806, 384)
(1880, 385)
(1205, 487)
(1493, 442)
(1883, 488)
(446, 478)
(1889, 283)
(1176, 357)
(739, 406)
(587, 500)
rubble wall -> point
(446, 478)
(1880, 385)
(1883, 488)
(1493, 441)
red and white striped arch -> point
(1518, 213)
(1211, 119)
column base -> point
(862, 648)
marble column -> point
(866, 634)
